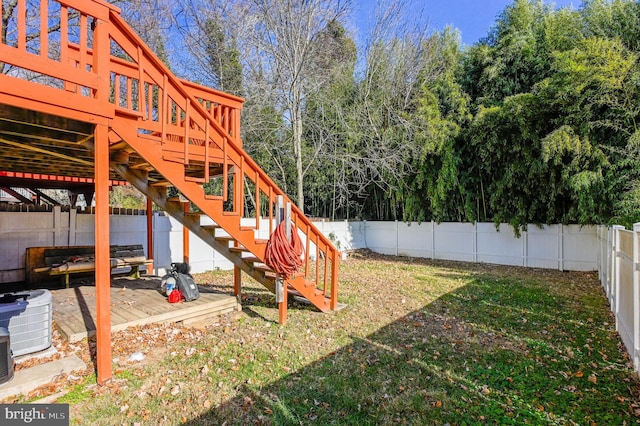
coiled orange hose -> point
(283, 256)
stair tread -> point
(263, 268)
(251, 259)
(176, 200)
(211, 227)
(239, 249)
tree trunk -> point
(296, 124)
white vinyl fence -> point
(556, 246)
(619, 258)
(613, 251)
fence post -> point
(433, 240)
(616, 273)
(560, 247)
(475, 241)
(397, 236)
(525, 248)
(57, 225)
(599, 239)
(608, 279)
(73, 224)
(636, 297)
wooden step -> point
(176, 200)
(211, 227)
(225, 239)
(252, 259)
(120, 145)
(263, 268)
(161, 183)
(142, 166)
(238, 249)
(194, 179)
(196, 214)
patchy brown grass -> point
(421, 342)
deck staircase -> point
(165, 132)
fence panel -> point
(624, 305)
(454, 241)
(549, 247)
(580, 248)
(382, 237)
(414, 240)
(543, 247)
(500, 245)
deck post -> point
(237, 282)
(281, 285)
(103, 266)
(185, 235)
(150, 231)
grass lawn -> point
(420, 342)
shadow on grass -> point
(489, 352)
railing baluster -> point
(116, 90)
(306, 251)
(257, 200)
(141, 108)
(225, 171)
(83, 42)
(64, 33)
(240, 189)
(129, 93)
(186, 133)
(206, 151)
(317, 260)
(334, 279)
(225, 126)
(164, 114)
(326, 270)
(44, 29)
(22, 25)
(270, 210)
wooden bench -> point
(64, 261)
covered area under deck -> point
(48, 151)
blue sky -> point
(473, 18)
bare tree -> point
(283, 37)
(368, 122)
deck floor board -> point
(133, 302)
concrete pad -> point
(50, 351)
(24, 381)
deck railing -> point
(81, 56)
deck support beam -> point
(150, 231)
(185, 236)
(103, 265)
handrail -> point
(195, 106)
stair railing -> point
(144, 89)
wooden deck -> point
(133, 302)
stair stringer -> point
(182, 117)
(152, 153)
(139, 181)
